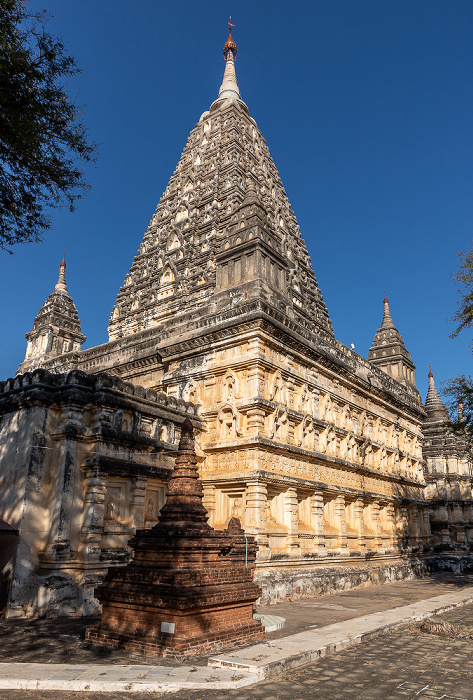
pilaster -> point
(391, 524)
(340, 520)
(255, 516)
(138, 502)
(59, 545)
(291, 520)
(376, 522)
(317, 521)
(255, 421)
(209, 501)
(359, 508)
(94, 511)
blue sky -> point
(367, 109)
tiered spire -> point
(388, 351)
(56, 328)
(387, 320)
(184, 505)
(434, 406)
(223, 231)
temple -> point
(449, 476)
(316, 450)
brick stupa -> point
(189, 588)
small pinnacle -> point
(387, 320)
(229, 87)
(61, 283)
(434, 406)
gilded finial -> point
(385, 298)
(431, 376)
(230, 47)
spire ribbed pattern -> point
(388, 351)
(434, 406)
(224, 194)
(56, 328)
(387, 320)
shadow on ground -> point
(61, 640)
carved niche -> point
(228, 423)
(277, 392)
(307, 433)
(279, 424)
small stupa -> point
(189, 588)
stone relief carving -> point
(191, 392)
(277, 392)
(110, 509)
(328, 441)
(279, 424)
(228, 422)
(350, 448)
(127, 422)
(304, 399)
(366, 453)
(326, 412)
(307, 433)
(229, 386)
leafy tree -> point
(458, 393)
(43, 143)
(464, 280)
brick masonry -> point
(189, 588)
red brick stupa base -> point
(189, 588)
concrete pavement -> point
(247, 666)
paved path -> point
(232, 670)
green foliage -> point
(464, 280)
(43, 142)
(458, 393)
(459, 390)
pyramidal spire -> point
(388, 351)
(224, 235)
(184, 495)
(56, 329)
(229, 86)
(61, 283)
(387, 320)
(434, 406)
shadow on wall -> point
(8, 548)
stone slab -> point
(226, 671)
(112, 679)
(273, 657)
(271, 623)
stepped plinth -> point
(189, 588)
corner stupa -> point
(56, 329)
(389, 353)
